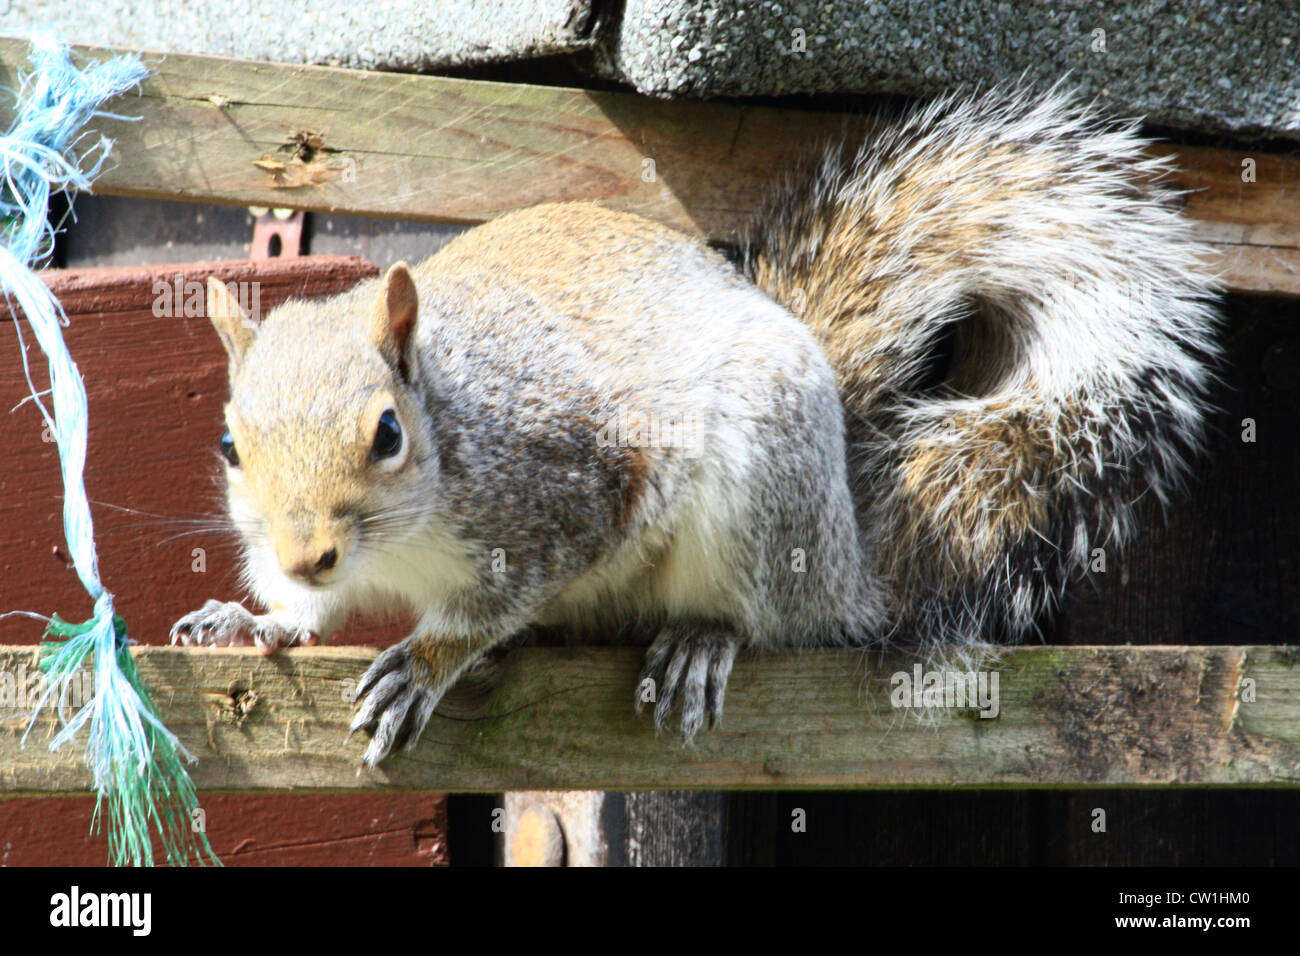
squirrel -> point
(571, 416)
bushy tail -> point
(1077, 382)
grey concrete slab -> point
(388, 34)
(1199, 64)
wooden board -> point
(433, 148)
(562, 719)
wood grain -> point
(561, 719)
(433, 148)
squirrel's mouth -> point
(315, 580)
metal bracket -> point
(284, 225)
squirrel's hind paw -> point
(689, 668)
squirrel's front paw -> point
(225, 624)
(400, 696)
(216, 624)
(689, 667)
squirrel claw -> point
(398, 702)
(689, 669)
(226, 624)
(216, 624)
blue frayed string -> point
(135, 760)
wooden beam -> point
(431, 148)
(561, 718)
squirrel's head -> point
(328, 452)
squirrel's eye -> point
(228, 449)
(388, 436)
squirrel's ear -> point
(393, 319)
(230, 320)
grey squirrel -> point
(576, 417)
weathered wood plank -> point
(433, 148)
(1259, 270)
(561, 718)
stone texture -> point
(384, 35)
(1195, 64)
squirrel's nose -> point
(307, 565)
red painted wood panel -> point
(400, 829)
(156, 384)
(155, 387)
